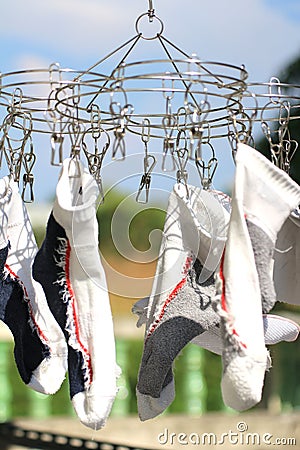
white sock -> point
(269, 196)
(69, 268)
(50, 374)
(244, 355)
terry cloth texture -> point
(50, 374)
(69, 267)
(269, 197)
(180, 306)
(276, 329)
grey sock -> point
(263, 249)
(187, 314)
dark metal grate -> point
(11, 434)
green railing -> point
(197, 378)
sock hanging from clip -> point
(269, 197)
(180, 303)
(69, 268)
(39, 363)
(51, 372)
(239, 300)
(287, 260)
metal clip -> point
(169, 123)
(94, 163)
(28, 159)
(182, 159)
(119, 130)
(75, 133)
(149, 163)
(168, 94)
(15, 165)
(57, 141)
(207, 171)
(57, 127)
(28, 180)
(95, 159)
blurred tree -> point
(134, 222)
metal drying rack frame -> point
(180, 100)
(189, 103)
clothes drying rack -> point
(180, 101)
(186, 105)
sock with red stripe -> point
(69, 268)
(40, 348)
(276, 329)
(180, 305)
(262, 198)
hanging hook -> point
(54, 68)
(151, 11)
(168, 94)
(16, 106)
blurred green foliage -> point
(133, 222)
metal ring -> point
(152, 17)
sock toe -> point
(243, 381)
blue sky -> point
(262, 34)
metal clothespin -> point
(149, 164)
(28, 160)
(279, 137)
(119, 130)
(13, 144)
(207, 171)
(289, 148)
(168, 92)
(240, 123)
(53, 118)
(57, 127)
(76, 130)
(57, 140)
(169, 144)
(182, 159)
(198, 112)
(95, 159)
(119, 110)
